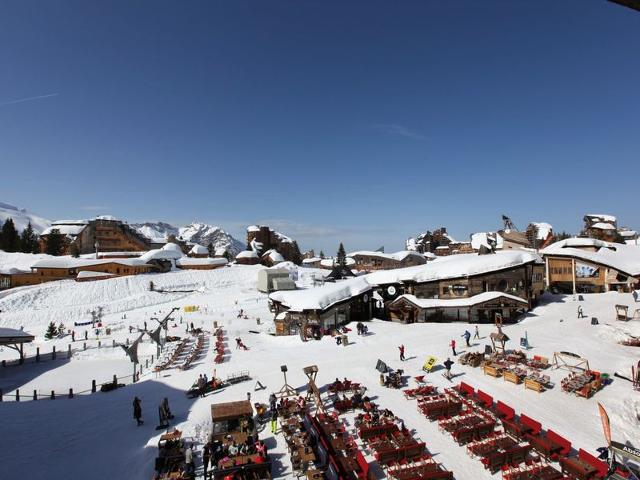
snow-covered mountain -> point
(200, 233)
(22, 217)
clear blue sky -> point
(361, 121)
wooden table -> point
(577, 467)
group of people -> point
(164, 412)
(215, 451)
(203, 384)
(361, 328)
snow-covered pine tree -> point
(51, 332)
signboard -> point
(586, 271)
(381, 366)
(391, 290)
(626, 451)
(524, 342)
(429, 363)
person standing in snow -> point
(167, 410)
(467, 336)
(401, 348)
(477, 334)
(453, 347)
(137, 410)
(447, 365)
(188, 460)
(272, 401)
(274, 420)
(206, 455)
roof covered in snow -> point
(311, 260)
(188, 261)
(199, 250)
(328, 262)
(273, 255)
(321, 298)
(454, 266)
(603, 226)
(622, 257)
(162, 254)
(481, 239)
(602, 216)
(71, 262)
(458, 302)
(65, 229)
(90, 274)
(544, 230)
(399, 256)
(247, 254)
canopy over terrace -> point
(15, 339)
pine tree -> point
(1, 244)
(10, 238)
(54, 243)
(29, 240)
(74, 251)
(296, 256)
(321, 254)
(52, 331)
(341, 257)
(228, 256)
(210, 249)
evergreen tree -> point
(341, 258)
(10, 238)
(296, 256)
(321, 254)
(52, 331)
(562, 236)
(228, 256)
(1, 245)
(29, 240)
(74, 251)
(54, 243)
(210, 249)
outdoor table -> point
(544, 445)
(577, 467)
(314, 475)
(234, 461)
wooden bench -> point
(490, 370)
(504, 411)
(511, 377)
(533, 385)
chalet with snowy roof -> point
(330, 263)
(539, 234)
(590, 265)
(247, 257)
(272, 257)
(369, 261)
(104, 233)
(316, 310)
(200, 263)
(198, 251)
(311, 262)
(262, 239)
(517, 273)
(480, 308)
(630, 237)
(601, 226)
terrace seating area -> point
(194, 350)
(584, 384)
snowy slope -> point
(22, 217)
(156, 231)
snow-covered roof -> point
(544, 230)
(253, 228)
(442, 247)
(188, 261)
(199, 250)
(602, 216)
(110, 218)
(329, 262)
(71, 262)
(162, 254)
(174, 247)
(90, 274)
(430, 255)
(481, 239)
(622, 257)
(458, 302)
(454, 266)
(603, 226)
(64, 229)
(247, 254)
(321, 298)
(13, 271)
(8, 333)
(311, 260)
(70, 222)
(273, 255)
(220, 251)
(398, 256)
(628, 233)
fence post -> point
(115, 381)
(99, 343)
(35, 395)
(114, 343)
(71, 393)
(151, 358)
(53, 353)
(93, 386)
(146, 363)
(4, 363)
(84, 345)
(86, 335)
(69, 351)
(53, 395)
(37, 354)
(17, 395)
(127, 341)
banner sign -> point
(626, 451)
(606, 425)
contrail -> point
(28, 99)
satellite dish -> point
(365, 297)
(391, 290)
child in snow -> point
(453, 347)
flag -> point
(606, 425)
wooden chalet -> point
(601, 226)
(247, 257)
(201, 263)
(321, 309)
(588, 265)
(480, 308)
(369, 261)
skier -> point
(274, 420)
(401, 348)
(164, 421)
(466, 335)
(73, 335)
(453, 347)
(477, 334)
(206, 454)
(167, 410)
(137, 410)
(580, 313)
(447, 364)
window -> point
(459, 290)
(445, 290)
(503, 285)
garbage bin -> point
(345, 340)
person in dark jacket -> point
(206, 455)
(467, 336)
(401, 348)
(274, 420)
(447, 364)
(137, 410)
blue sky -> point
(361, 121)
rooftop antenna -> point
(508, 223)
